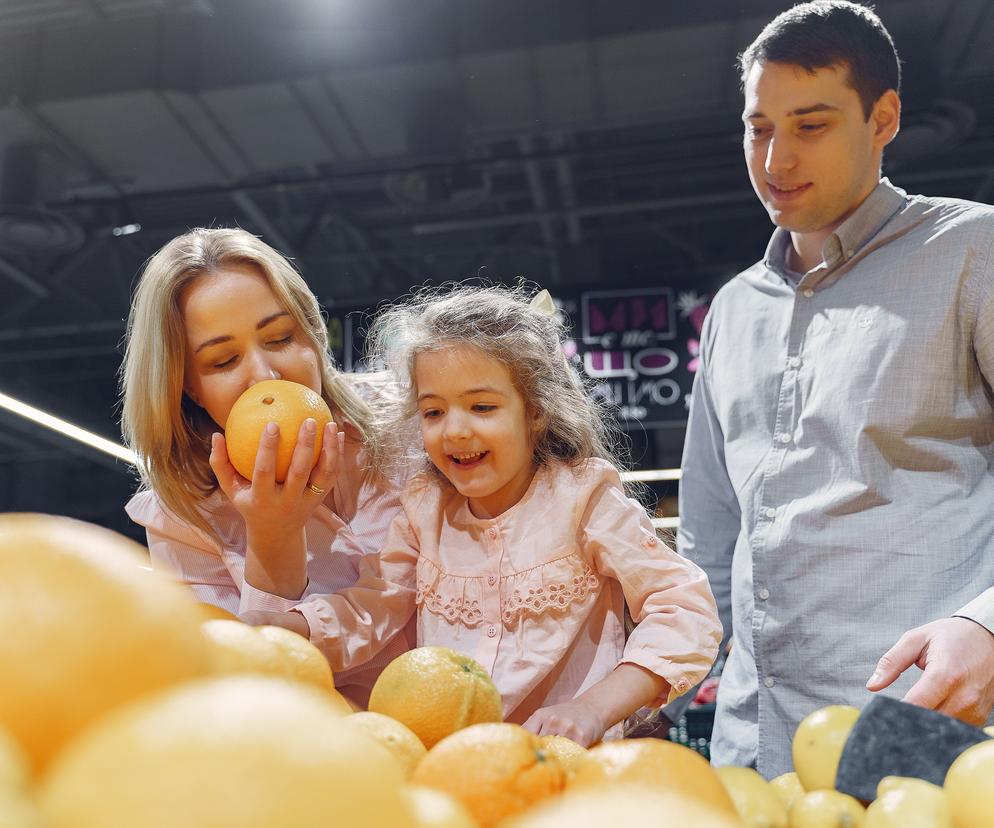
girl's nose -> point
(456, 426)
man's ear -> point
(886, 117)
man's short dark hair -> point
(826, 33)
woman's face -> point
(238, 334)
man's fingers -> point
(907, 651)
(930, 690)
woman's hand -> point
(275, 513)
(577, 720)
(272, 509)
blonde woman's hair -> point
(501, 323)
(170, 433)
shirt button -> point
(784, 438)
(493, 531)
(794, 362)
(491, 631)
(764, 594)
(849, 254)
(492, 579)
(808, 293)
(682, 686)
(770, 512)
(650, 540)
(769, 681)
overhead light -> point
(43, 418)
(126, 229)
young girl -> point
(215, 312)
(518, 545)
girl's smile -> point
(476, 427)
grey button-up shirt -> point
(837, 474)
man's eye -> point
(756, 131)
(812, 127)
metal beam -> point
(24, 279)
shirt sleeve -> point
(184, 552)
(353, 625)
(981, 608)
(710, 517)
(677, 632)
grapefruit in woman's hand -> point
(282, 402)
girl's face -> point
(476, 427)
(237, 334)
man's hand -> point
(957, 657)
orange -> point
(654, 762)
(238, 648)
(84, 626)
(570, 754)
(211, 611)
(623, 805)
(282, 402)
(495, 770)
(435, 691)
(969, 786)
(434, 809)
(231, 752)
(817, 745)
(14, 765)
(395, 737)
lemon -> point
(969, 787)
(826, 809)
(436, 809)
(398, 738)
(818, 744)
(755, 800)
(908, 803)
(788, 789)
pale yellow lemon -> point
(818, 743)
(969, 787)
(755, 800)
(398, 738)
(788, 788)
(908, 803)
(570, 754)
(827, 809)
(433, 808)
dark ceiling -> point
(383, 143)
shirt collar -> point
(851, 236)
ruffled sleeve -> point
(678, 632)
(184, 552)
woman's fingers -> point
(221, 465)
(264, 471)
(302, 459)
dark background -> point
(586, 145)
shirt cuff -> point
(680, 681)
(256, 599)
(980, 610)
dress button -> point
(682, 686)
(492, 531)
(808, 293)
(769, 681)
(650, 540)
(491, 631)
(491, 579)
(770, 512)
(764, 594)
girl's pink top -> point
(536, 595)
(350, 526)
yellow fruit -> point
(436, 809)
(818, 744)
(394, 736)
(788, 789)
(17, 810)
(757, 804)
(282, 402)
(495, 770)
(238, 648)
(14, 764)
(622, 806)
(662, 764)
(908, 803)
(84, 627)
(826, 809)
(302, 660)
(570, 754)
(969, 787)
(436, 691)
(231, 752)
(210, 611)
(989, 730)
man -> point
(837, 474)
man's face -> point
(812, 156)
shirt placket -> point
(493, 627)
(772, 502)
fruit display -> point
(125, 702)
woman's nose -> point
(261, 368)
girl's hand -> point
(274, 510)
(577, 720)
